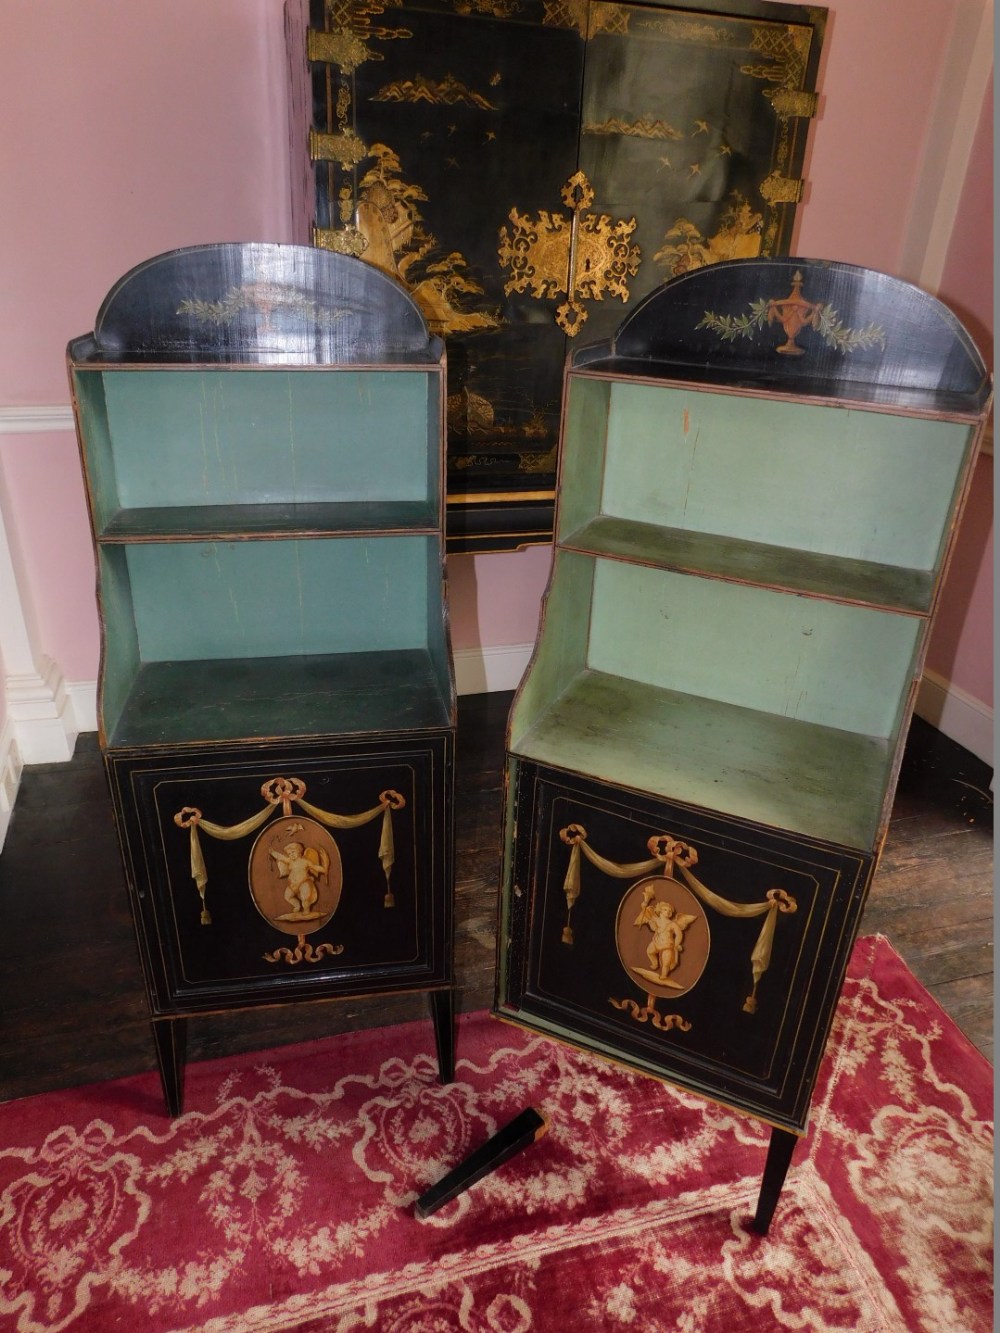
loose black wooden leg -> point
(526, 1128)
(443, 1014)
(169, 1035)
(779, 1157)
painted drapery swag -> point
(284, 792)
(669, 854)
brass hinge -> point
(341, 240)
(778, 189)
(789, 103)
(346, 148)
(342, 48)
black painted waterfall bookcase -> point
(761, 474)
(261, 429)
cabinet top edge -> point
(967, 407)
(802, 327)
(257, 303)
(84, 356)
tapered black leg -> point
(528, 1127)
(779, 1157)
(169, 1036)
(443, 1014)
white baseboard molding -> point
(11, 766)
(41, 710)
(955, 713)
(83, 696)
(489, 670)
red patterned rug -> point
(282, 1198)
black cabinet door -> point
(288, 871)
(706, 950)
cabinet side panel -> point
(799, 657)
(434, 445)
(92, 424)
(436, 614)
(585, 438)
(215, 437)
(845, 482)
(119, 643)
(561, 648)
(274, 598)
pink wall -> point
(967, 280)
(134, 128)
(961, 648)
(879, 69)
(44, 496)
(128, 129)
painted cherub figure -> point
(665, 948)
(303, 867)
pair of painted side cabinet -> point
(760, 476)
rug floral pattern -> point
(282, 1198)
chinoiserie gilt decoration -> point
(582, 257)
(525, 168)
(662, 934)
(796, 315)
(295, 868)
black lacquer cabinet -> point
(531, 169)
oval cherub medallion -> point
(295, 875)
(662, 936)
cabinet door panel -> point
(290, 901)
(730, 992)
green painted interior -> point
(120, 661)
(435, 610)
(372, 693)
(866, 485)
(804, 658)
(92, 413)
(561, 647)
(267, 598)
(739, 600)
(781, 709)
(205, 522)
(817, 781)
(586, 426)
(739, 561)
(217, 437)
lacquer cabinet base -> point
(287, 872)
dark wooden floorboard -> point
(72, 1006)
